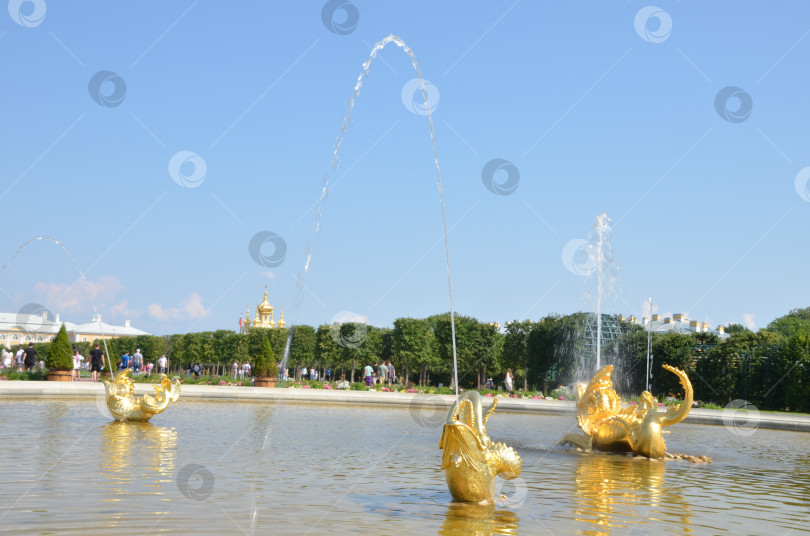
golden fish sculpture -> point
(638, 429)
(471, 461)
(124, 405)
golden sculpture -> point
(609, 427)
(470, 460)
(123, 404)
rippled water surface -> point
(281, 468)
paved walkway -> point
(82, 389)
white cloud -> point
(122, 310)
(748, 321)
(81, 295)
(269, 275)
(189, 308)
(156, 311)
(645, 309)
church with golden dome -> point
(264, 316)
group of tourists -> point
(138, 364)
(96, 363)
(241, 371)
(380, 374)
(314, 374)
(23, 359)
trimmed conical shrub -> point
(60, 354)
(265, 365)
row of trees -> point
(770, 368)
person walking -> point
(96, 362)
(7, 355)
(137, 361)
(507, 382)
(368, 375)
(76, 373)
(125, 360)
(392, 373)
(19, 358)
(383, 373)
(30, 360)
(162, 362)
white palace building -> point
(22, 328)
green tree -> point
(674, 349)
(278, 340)
(796, 321)
(265, 362)
(515, 351)
(556, 349)
(327, 350)
(60, 353)
(350, 338)
(303, 345)
(797, 380)
(733, 328)
(413, 345)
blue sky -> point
(597, 112)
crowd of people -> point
(380, 374)
(24, 359)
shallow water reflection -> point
(280, 468)
(475, 520)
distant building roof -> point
(680, 323)
(22, 327)
(97, 327)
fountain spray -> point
(602, 256)
(347, 119)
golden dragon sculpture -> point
(609, 427)
(470, 460)
(123, 404)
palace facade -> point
(20, 329)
